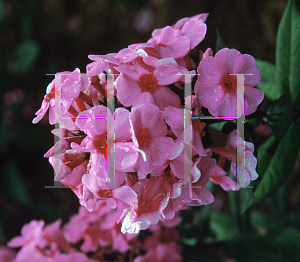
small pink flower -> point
(245, 157)
(172, 42)
(149, 131)
(7, 254)
(218, 176)
(71, 86)
(152, 198)
(178, 119)
(216, 89)
(142, 83)
(31, 235)
(162, 253)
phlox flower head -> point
(216, 89)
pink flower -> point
(245, 157)
(193, 28)
(31, 235)
(102, 131)
(142, 83)
(181, 22)
(218, 176)
(72, 257)
(171, 42)
(217, 90)
(101, 63)
(178, 118)
(162, 253)
(71, 86)
(7, 254)
(65, 160)
(149, 131)
(152, 197)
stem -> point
(234, 200)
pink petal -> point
(195, 30)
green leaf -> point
(280, 167)
(268, 82)
(25, 56)
(288, 53)
(220, 42)
(265, 154)
(263, 223)
(280, 115)
(250, 248)
(290, 242)
(223, 226)
(15, 184)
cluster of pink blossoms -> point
(122, 126)
(93, 236)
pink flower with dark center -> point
(216, 89)
(149, 131)
(142, 83)
(103, 132)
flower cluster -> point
(130, 139)
(93, 236)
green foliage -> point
(268, 82)
(280, 115)
(288, 53)
(25, 56)
(280, 166)
(281, 84)
(223, 226)
(253, 247)
(14, 182)
(220, 42)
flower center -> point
(144, 138)
(196, 124)
(99, 143)
(105, 193)
(147, 83)
(229, 84)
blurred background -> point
(41, 37)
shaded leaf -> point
(15, 184)
(250, 247)
(280, 167)
(268, 82)
(25, 56)
(265, 154)
(290, 242)
(223, 226)
(220, 42)
(280, 115)
(288, 53)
